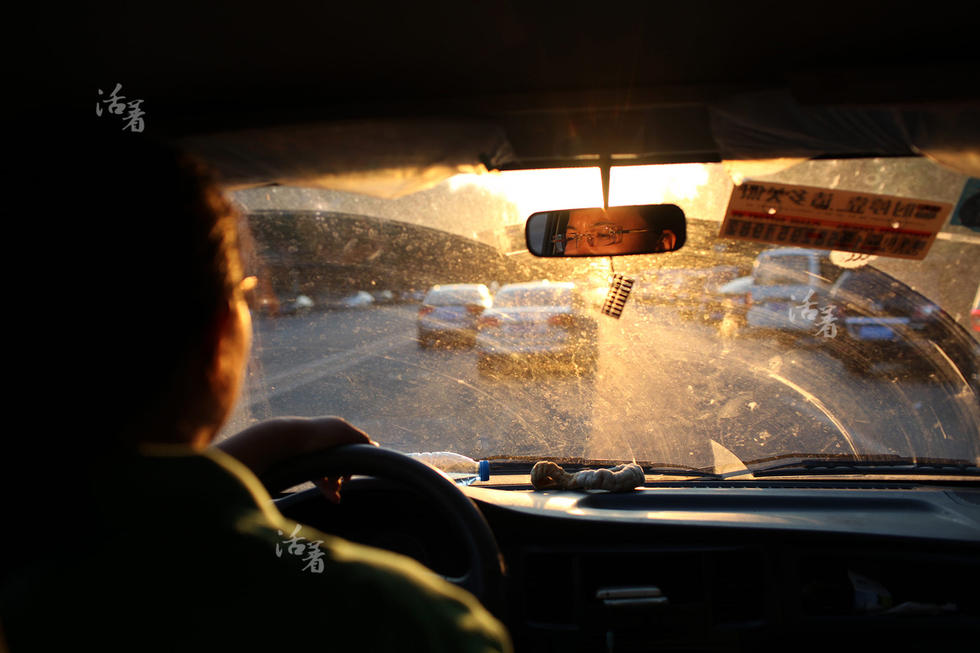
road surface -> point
(664, 389)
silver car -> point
(449, 313)
(541, 321)
(789, 286)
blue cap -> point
(484, 470)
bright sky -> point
(543, 190)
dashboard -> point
(725, 565)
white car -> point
(359, 299)
(730, 300)
(788, 288)
(541, 321)
(449, 313)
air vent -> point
(677, 573)
(634, 593)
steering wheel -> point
(483, 577)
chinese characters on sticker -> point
(864, 223)
(823, 317)
(130, 111)
(298, 546)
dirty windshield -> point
(769, 349)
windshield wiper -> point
(830, 466)
(523, 465)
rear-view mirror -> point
(615, 231)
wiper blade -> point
(927, 467)
(523, 465)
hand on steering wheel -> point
(483, 577)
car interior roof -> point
(566, 83)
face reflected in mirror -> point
(606, 232)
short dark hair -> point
(155, 258)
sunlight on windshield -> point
(543, 190)
(656, 184)
(539, 190)
(764, 352)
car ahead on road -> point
(449, 313)
(538, 324)
(785, 502)
(788, 285)
(730, 301)
(359, 299)
(884, 322)
(703, 297)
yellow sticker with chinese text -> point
(823, 218)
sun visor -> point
(950, 137)
(771, 124)
(381, 158)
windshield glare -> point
(723, 341)
(453, 296)
(511, 297)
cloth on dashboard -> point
(185, 552)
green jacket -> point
(187, 553)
